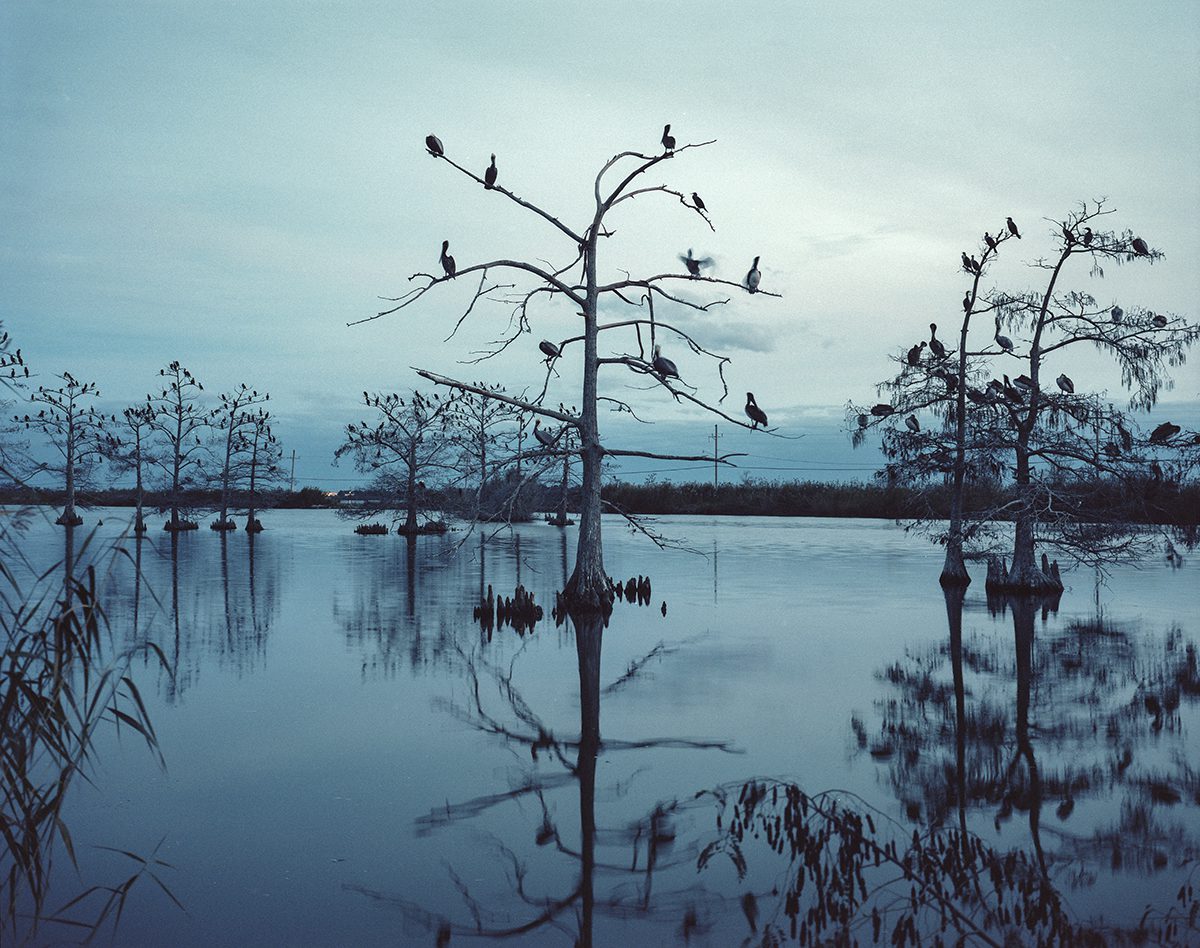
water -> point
(350, 759)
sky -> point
(231, 184)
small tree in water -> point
(179, 421)
(74, 428)
(234, 418)
(578, 281)
(133, 451)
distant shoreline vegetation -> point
(1146, 501)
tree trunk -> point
(178, 449)
(588, 637)
(410, 524)
(560, 518)
(252, 525)
(954, 570)
(954, 610)
(139, 521)
(1024, 574)
(69, 518)
(223, 522)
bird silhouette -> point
(989, 240)
(753, 277)
(668, 140)
(1159, 320)
(1067, 235)
(1139, 247)
(543, 436)
(1117, 314)
(694, 264)
(697, 202)
(1012, 228)
(754, 413)
(1064, 382)
(1023, 384)
(882, 410)
(434, 144)
(549, 350)
(489, 176)
(1012, 393)
(966, 262)
(664, 366)
(447, 260)
(935, 344)
(914, 354)
(912, 424)
(967, 302)
(1087, 236)
(1164, 433)
(863, 421)
(1002, 341)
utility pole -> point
(715, 438)
(292, 479)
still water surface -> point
(350, 759)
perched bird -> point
(967, 302)
(754, 413)
(664, 366)
(1012, 228)
(543, 436)
(753, 278)
(967, 263)
(549, 349)
(977, 397)
(1139, 247)
(1067, 235)
(694, 264)
(1003, 341)
(935, 344)
(1087, 236)
(434, 144)
(668, 140)
(696, 201)
(863, 421)
(975, 268)
(882, 410)
(1164, 433)
(1023, 384)
(989, 240)
(1012, 393)
(914, 354)
(489, 176)
(447, 260)
(1126, 437)
(1065, 383)
(1117, 314)
(950, 378)
(1159, 320)
(912, 424)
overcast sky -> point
(230, 184)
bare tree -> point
(233, 417)
(483, 429)
(577, 281)
(179, 420)
(261, 454)
(76, 431)
(14, 374)
(134, 452)
(411, 441)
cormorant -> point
(935, 344)
(664, 366)
(1065, 383)
(1139, 247)
(1087, 236)
(434, 144)
(1117, 314)
(754, 413)
(989, 240)
(863, 421)
(1126, 437)
(882, 410)
(549, 349)
(1003, 341)
(977, 396)
(1164, 433)
(912, 424)
(914, 354)
(668, 140)
(1159, 320)
(694, 264)
(544, 437)
(1012, 393)
(753, 278)
(489, 176)
(967, 263)
(1067, 235)
(967, 302)
(699, 204)
(1012, 228)
(1023, 384)
(975, 268)
(447, 260)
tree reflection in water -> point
(618, 889)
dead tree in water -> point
(179, 421)
(577, 280)
(133, 451)
(261, 455)
(234, 418)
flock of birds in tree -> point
(660, 364)
(1015, 392)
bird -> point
(543, 436)
(696, 201)
(668, 140)
(967, 302)
(1139, 247)
(989, 240)
(1012, 228)
(1159, 321)
(753, 278)
(754, 413)
(1065, 383)
(1087, 236)
(1117, 314)
(1023, 384)
(447, 260)
(1003, 341)
(935, 344)
(1126, 437)
(1012, 393)
(694, 264)
(549, 349)
(912, 424)
(1067, 235)
(1164, 433)
(664, 366)
(882, 410)
(434, 144)
(914, 354)
(967, 263)
(863, 421)
(977, 397)
(975, 268)
(489, 176)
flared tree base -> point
(180, 526)
(69, 520)
(1044, 581)
(222, 525)
(954, 571)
